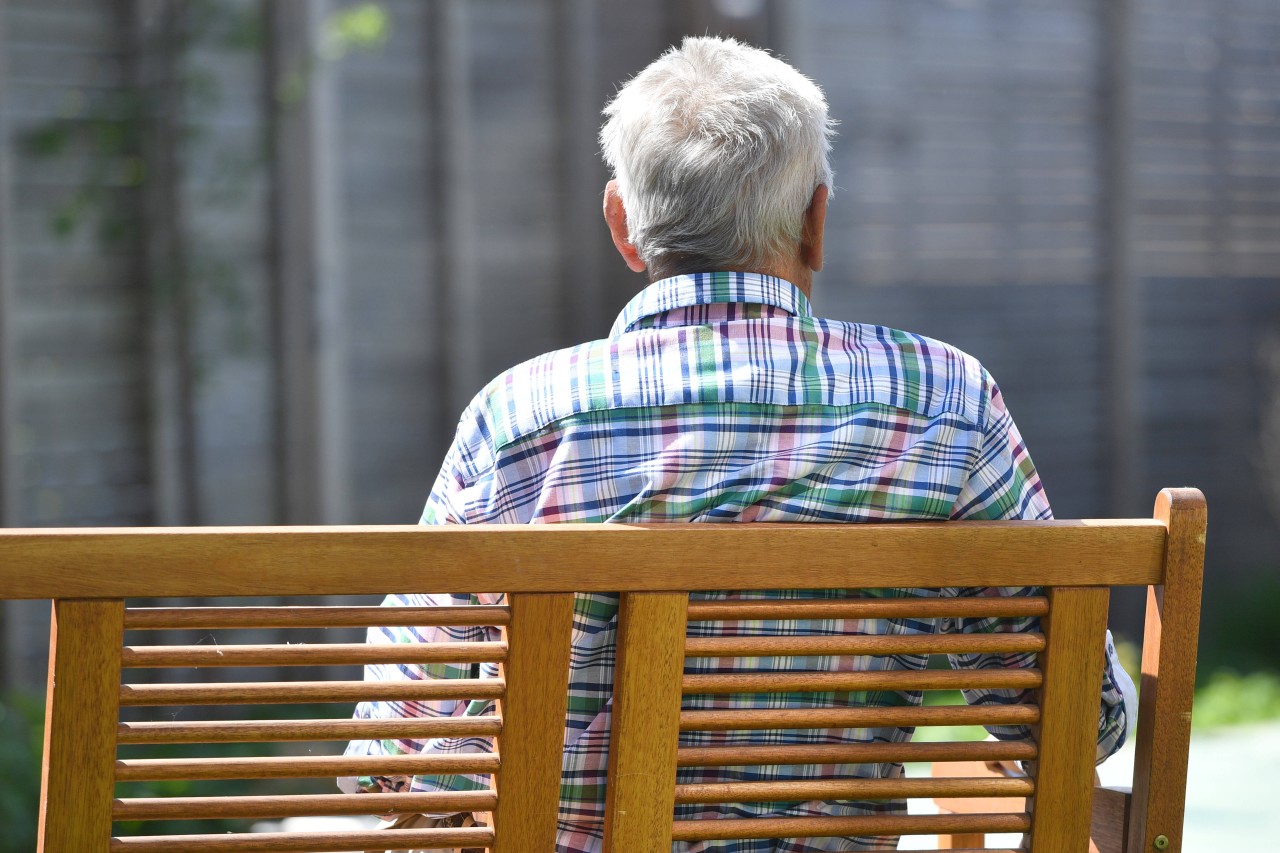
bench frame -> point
(89, 573)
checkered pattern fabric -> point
(719, 398)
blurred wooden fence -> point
(252, 267)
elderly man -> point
(719, 397)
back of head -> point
(717, 148)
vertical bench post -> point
(1169, 647)
(1068, 746)
(531, 745)
(646, 722)
(81, 717)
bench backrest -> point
(94, 730)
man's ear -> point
(616, 216)
(815, 224)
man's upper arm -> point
(1003, 485)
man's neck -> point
(796, 272)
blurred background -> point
(256, 255)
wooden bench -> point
(89, 762)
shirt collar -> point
(707, 288)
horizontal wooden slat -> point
(306, 842)
(283, 692)
(859, 717)
(851, 789)
(300, 766)
(164, 562)
(821, 682)
(817, 827)
(312, 654)
(867, 608)
(923, 644)
(854, 753)
(214, 808)
(280, 731)
(163, 618)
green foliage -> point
(1229, 699)
(934, 734)
(102, 136)
(1239, 629)
(364, 26)
(1130, 655)
(21, 737)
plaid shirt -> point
(718, 397)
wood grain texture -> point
(975, 805)
(311, 654)
(802, 827)
(919, 644)
(867, 608)
(642, 784)
(851, 789)
(305, 842)
(532, 711)
(280, 731)
(1109, 828)
(280, 806)
(640, 794)
(1169, 649)
(1068, 733)
(859, 717)
(572, 557)
(855, 753)
(164, 618)
(302, 766)
(901, 679)
(80, 726)
(284, 692)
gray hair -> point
(717, 148)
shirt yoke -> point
(783, 362)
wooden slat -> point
(821, 682)
(80, 725)
(850, 789)
(962, 841)
(284, 692)
(817, 827)
(859, 717)
(1169, 647)
(646, 722)
(1068, 735)
(311, 654)
(301, 805)
(306, 842)
(279, 731)
(533, 711)
(867, 608)
(854, 753)
(975, 805)
(922, 644)
(1109, 826)
(301, 766)
(179, 562)
(164, 618)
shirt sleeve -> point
(445, 505)
(1003, 485)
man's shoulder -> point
(792, 362)
(527, 396)
(927, 375)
